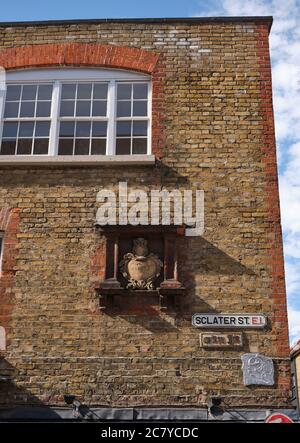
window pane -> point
(43, 109)
(83, 129)
(68, 91)
(29, 92)
(13, 92)
(45, 92)
(24, 146)
(65, 147)
(124, 109)
(123, 146)
(8, 147)
(82, 147)
(139, 146)
(42, 129)
(140, 128)
(67, 129)
(140, 108)
(140, 90)
(26, 129)
(99, 108)
(124, 129)
(41, 146)
(83, 109)
(84, 90)
(98, 146)
(27, 109)
(67, 108)
(11, 110)
(99, 129)
(10, 130)
(100, 90)
(124, 91)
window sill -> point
(79, 160)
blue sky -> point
(64, 9)
(285, 53)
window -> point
(27, 114)
(294, 387)
(71, 112)
(132, 111)
(1, 249)
(83, 119)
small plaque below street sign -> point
(221, 340)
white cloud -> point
(294, 325)
(292, 271)
(290, 204)
(233, 7)
(285, 54)
(285, 77)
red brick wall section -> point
(279, 317)
(158, 110)
(84, 54)
(9, 222)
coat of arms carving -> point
(139, 267)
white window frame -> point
(65, 75)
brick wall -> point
(213, 130)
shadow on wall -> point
(81, 176)
(210, 261)
(17, 402)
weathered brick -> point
(212, 130)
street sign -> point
(229, 320)
(278, 418)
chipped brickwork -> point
(213, 130)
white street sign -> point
(229, 320)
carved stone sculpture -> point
(139, 267)
(257, 370)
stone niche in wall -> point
(141, 260)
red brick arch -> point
(97, 55)
(80, 54)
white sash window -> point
(76, 112)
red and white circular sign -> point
(278, 418)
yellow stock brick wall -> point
(216, 134)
